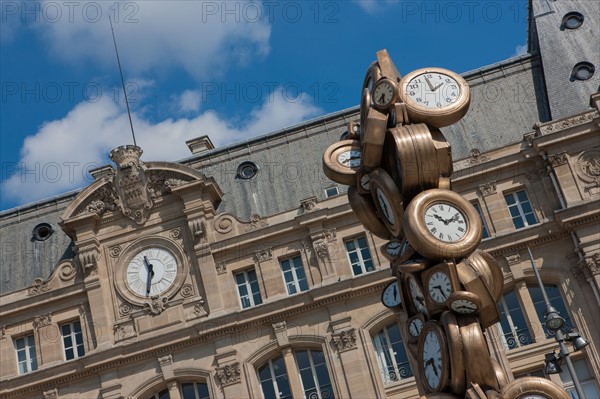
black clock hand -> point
(395, 293)
(439, 288)
(382, 98)
(420, 299)
(150, 274)
(434, 368)
(429, 84)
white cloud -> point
(520, 50)
(373, 6)
(56, 158)
(189, 101)
(202, 38)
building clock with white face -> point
(151, 272)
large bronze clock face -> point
(152, 271)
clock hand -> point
(439, 288)
(150, 274)
(429, 84)
(395, 293)
(382, 98)
(433, 365)
(438, 86)
(420, 299)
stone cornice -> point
(203, 331)
(581, 214)
(514, 241)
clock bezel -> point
(366, 213)
(428, 245)
(449, 269)
(400, 304)
(385, 108)
(445, 116)
(531, 385)
(437, 329)
(122, 264)
(455, 349)
(380, 180)
(333, 169)
(418, 316)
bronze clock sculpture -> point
(398, 166)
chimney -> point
(200, 144)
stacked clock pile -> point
(397, 166)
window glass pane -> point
(69, 354)
(77, 327)
(302, 359)
(203, 391)
(362, 242)
(66, 329)
(187, 391)
(514, 326)
(20, 343)
(285, 265)
(350, 245)
(522, 196)
(530, 217)
(540, 305)
(510, 199)
(80, 351)
(22, 368)
(21, 356)
(164, 394)
(68, 341)
(251, 275)
(239, 278)
(308, 382)
(518, 222)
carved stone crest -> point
(199, 309)
(309, 204)
(257, 223)
(42, 321)
(39, 286)
(476, 157)
(263, 255)
(131, 183)
(488, 188)
(344, 340)
(587, 166)
(221, 267)
(156, 305)
(229, 374)
(51, 394)
(124, 330)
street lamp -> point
(555, 323)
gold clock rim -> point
(445, 372)
(336, 171)
(365, 212)
(455, 349)
(382, 180)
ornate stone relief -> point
(558, 159)
(587, 166)
(166, 366)
(51, 394)
(115, 251)
(131, 183)
(42, 321)
(256, 223)
(588, 267)
(281, 333)
(187, 291)
(198, 230)
(309, 204)
(344, 340)
(229, 374)
(322, 242)
(156, 305)
(488, 188)
(476, 157)
(39, 286)
(103, 199)
(224, 223)
(542, 129)
(125, 309)
(175, 233)
(124, 331)
(513, 259)
(88, 257)
(263, 255)
(221, 267)
(199, 309)
(3, 333)
(67, 271)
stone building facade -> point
(277, 290)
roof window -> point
(247, 170)
(572, 20)
(42, 232)
(583, 71)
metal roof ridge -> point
(498, 65)
(44, 201)
(269, 135)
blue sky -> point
(232, 70)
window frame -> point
(503, 307)
(73, 336)
(31, 364)
(519, 207)
(293, 271)
(358, 251)
(337, 191)
(485, 231)
(248, 285)
(273, 377)
(313, 371)
(388, 346)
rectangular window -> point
(293, 275)
(484, 230)
(26, 356)
(331, 192)
(392, 357)
(540, 305)
(72, 340)
(512, 320)
(586, 380)
(520, 209)
(248, 289)
(359, 256)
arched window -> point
(514, 327)
(187, 390)
(516, 331)
(311, 368)
(391, 354)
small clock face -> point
(350, 158)
(464, 306)
(385, 207)
(391, 295)
(365, 181)
(151, 272)
(445, 222)
(432, 360)
(433, 90)
(393, 248)
(417, 295)
(415, 326)
(439, 287)
(384, 93)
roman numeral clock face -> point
(446, 222)
(151, 272)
